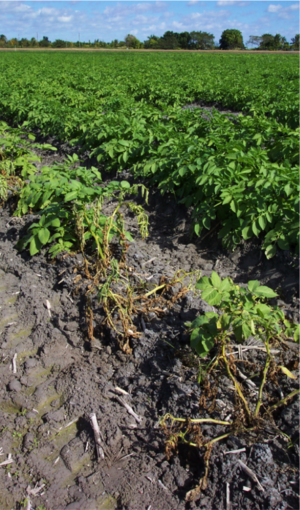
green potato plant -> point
(244, 313)
(238, 173)
(68, 196)
(16, 158)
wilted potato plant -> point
(241, 312)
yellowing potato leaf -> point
(287, 372)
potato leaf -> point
(287, 372)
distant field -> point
(240, 174)
(154, 51)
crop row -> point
(239, 173)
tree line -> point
(195, 40)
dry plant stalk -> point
(251, 474)
(246, 418)
(96, 430)
(137, 418)
(194, 493)
(120, 305)
(90, 318)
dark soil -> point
(62, 377)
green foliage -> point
(59, 43)
(202, 40)
(296, 42)
(3, 188)
(132, 42)
(239, 174)
(273, 42)
(244, 312)
(16, 157)
(170, 40)
(254, 40)
(16, 144)
(231, 39)
(70, 199)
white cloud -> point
(225, 3)
(46, 11)
(204, 17)
(214, 21)
(27, 19)
(274, 8)
(142, 20)
(283, 12)
(133, 17)
(65, 19)
(160, 5)
(158, 29)
(22, 8)
(125, 10)
(195, 2)
(177, 25)
(6, 4)
(278, 8)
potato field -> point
(149, 230)
(129, 111)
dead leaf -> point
(287, 372)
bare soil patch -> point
(53, 378)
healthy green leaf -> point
(215, 280)
(211, 296)
(264, 291)
(71, 196)
(253, 284)
(44, 235)
(203, 283)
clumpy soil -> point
(53, 377)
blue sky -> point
(108, 20)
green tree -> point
(202, 40)
(295, 42)
(13, 42)
(97, 43)
(184, 40)
(152, 42)
(3, 40)
(279, 42)
(267, 42)
(169, 41)
(24, 43)
(33, 42)
(132, 42)
(231, 39)
(273, 42)
(59, 43)
(44, 43)
(254, 40)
